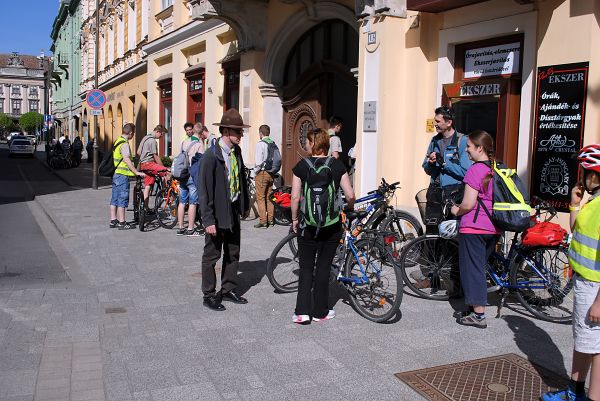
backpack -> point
(107, 165)
(273, 162)
(181, 165)
(511, 210)
(196, 164)
(319, 204)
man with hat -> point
(223, 198)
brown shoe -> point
(424, 283)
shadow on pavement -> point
(250, 273)
(536, 344)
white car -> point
(12, 136)
(21, 146)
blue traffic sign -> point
(96, 99)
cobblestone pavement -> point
(128, 324)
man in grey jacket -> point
(223, 198)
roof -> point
(20, 60)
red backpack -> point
(544, 234)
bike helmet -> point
(589, 157)
(448, 229)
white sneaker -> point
(301, 319)
(329, 316)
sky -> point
(26, 26)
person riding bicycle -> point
(150, 161)
(446, 162)
(584, 259)
(317, 244)
(477, 234)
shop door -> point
(476, 114)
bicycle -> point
(364, 266)
(139, 205)
(539, 275)
(167, 204)
(252, 194)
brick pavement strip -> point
(167, 346)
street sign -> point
(96, 99)
(96, 112)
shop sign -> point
(559, 123)
(494, 87)
(492, 60)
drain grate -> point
(500, 378)
(115, 310)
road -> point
(27, 260)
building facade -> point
(385, 65)
(66, 69)
(193, 70)
(22, 84)
(121, 66)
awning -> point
(195, 67)
(230, 57)
(438, 6)
(164, 77)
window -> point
(16, 107)
(1, 105)
(33, 91)
(232, 85)
(166, 3)
(34, 105)
(16, 89)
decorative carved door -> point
(304, 110)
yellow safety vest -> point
(584, 252)
(120, 166)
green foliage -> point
(6, 123)
(166, 161)
(30, 121)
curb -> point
(62, 230)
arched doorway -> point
(109, 129)
(119, 125)
(318, 84)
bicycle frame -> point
(363, 279)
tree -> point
(31, 121)
(6, 123)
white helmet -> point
(449, 229)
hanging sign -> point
(559, 123)
(493, 60)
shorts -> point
(120, 191)
(152, 169)
(586, 335)
(188, 192)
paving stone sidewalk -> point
(129, 325)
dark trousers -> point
(473, 252)
(228, 242)
(316, 252)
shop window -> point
(486, 93)
(232, 85)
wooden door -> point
(304, 110)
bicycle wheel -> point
(429, 266)
(378, 296)
(166, 209)
(141, 211)
(542, 278)
(405, 225)
(283, 268)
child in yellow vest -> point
(584, 258)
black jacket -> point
(213, 191)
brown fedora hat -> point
(232, 119)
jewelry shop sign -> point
(559, 123)
(493, 60)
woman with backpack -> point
(477, 234)
(315, 184)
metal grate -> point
(115, 310)
(500, 378)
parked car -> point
(11, 136)
(21, 146)
(32, 139)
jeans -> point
(316, 253)
(264, 191)
(120, 191)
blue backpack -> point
(194, 168)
